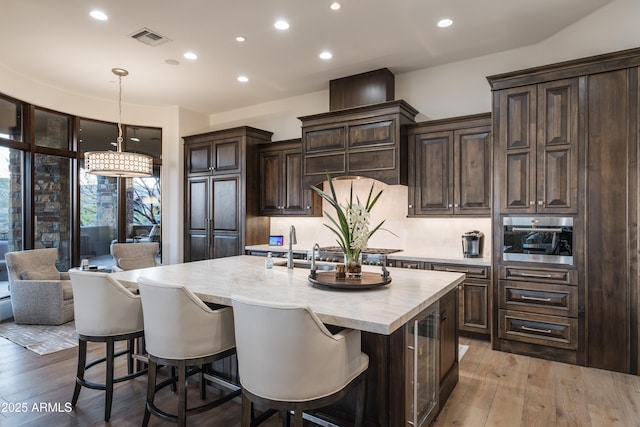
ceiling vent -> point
(149, 37)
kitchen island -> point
(385, 315)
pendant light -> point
(118, 163)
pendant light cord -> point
(120, 139)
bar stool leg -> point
(109, 381)
(151, 391)
(182, 393)
(82, 360)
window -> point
(78, 213)
(11, 210)
(52, 206)
(98, 216)
(10, 120)
(52, 129)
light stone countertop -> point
(425, 256)
(380, 310)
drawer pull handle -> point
(539, 275)
(542, 331)
(453, 270)
(536, 298)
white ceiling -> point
(57, 43)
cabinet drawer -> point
(547, 275)
(401, 263)
(478, 272)
(558, 300)
(553, 331)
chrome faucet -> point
(292, 241)
(313, 256)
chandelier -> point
(118, 163)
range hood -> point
(367, 141)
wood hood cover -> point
(368, 141)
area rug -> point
(462, 349)
(41, 339)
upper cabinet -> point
(361, 141)
(218, 156)
(220, 187)
(450, 170)
(281, 189)
(537, 140)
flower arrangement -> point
(351, 224)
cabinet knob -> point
(410, 206)
(450, 205)
(308, 207)
(540, 202)
(455, 205)
(531, 203)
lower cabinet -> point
(448, 334)
(538, 312)
(474, 294)
(474, 298)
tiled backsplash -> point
(429, 236)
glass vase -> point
(353, 265)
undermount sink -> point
(307, 265)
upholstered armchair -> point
(130, 256)
(40, 294)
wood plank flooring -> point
(495, 389)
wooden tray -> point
(367, 281)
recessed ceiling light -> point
(243, 79)
(335, 5)
(281, 25)
(171, 62)
(325, 55)
(241, 38)
(99, 15)
(444, 23)
(190, 55)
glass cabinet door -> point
(422, 367)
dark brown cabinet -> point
(448, 335)
(215, 157)
(361, 141)
(450, 170)
(539, 305)
(221, 181)
(474, 296)
(281, 189)
(537, 131)
(566, 138)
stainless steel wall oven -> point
(538, 239)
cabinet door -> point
(199, 158)
(270, 183)
(225, 218)
(448, 344)
(434, 177)
(197, 224)
(474, 300)
(557, 143)
(227, 155)
(472, 168)
(296, 199)
(516, 149)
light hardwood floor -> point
(495, 389)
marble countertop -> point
(425, 256)
(381, 310)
